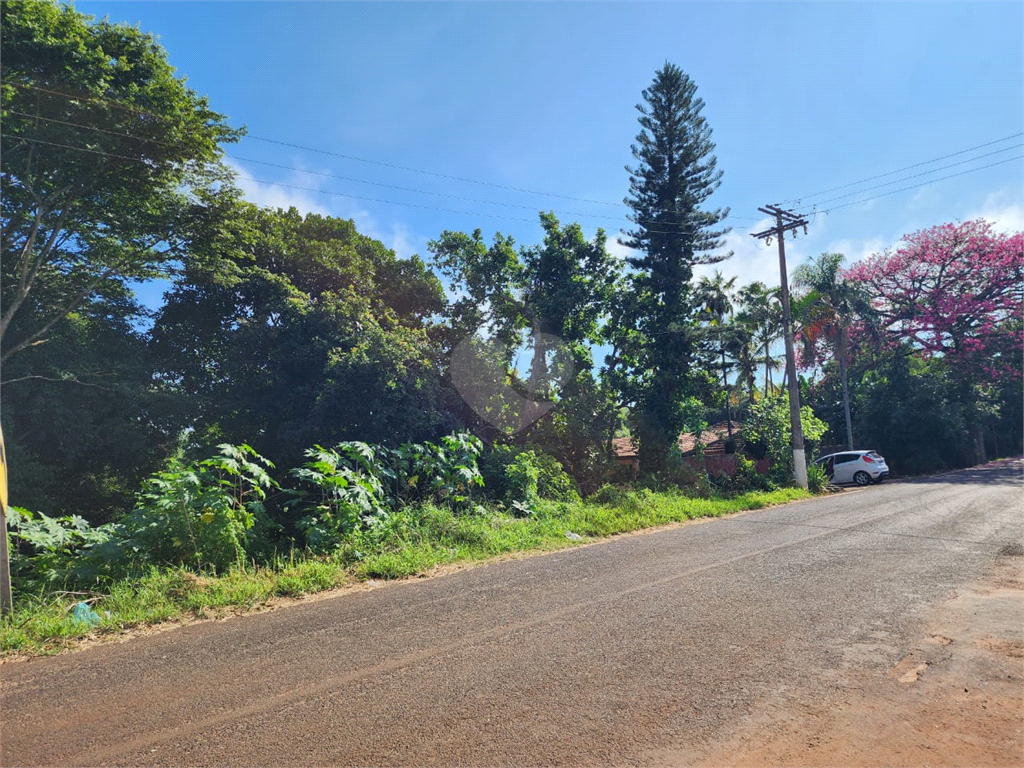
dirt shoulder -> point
(956, 698)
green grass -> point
(411, 542)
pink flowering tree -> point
(956, 291)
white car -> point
(860, 467)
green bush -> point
(202, 515)
(355, 487)
(347, 492)
(553, 483)
(523, 474)
(46, 551)
(747, 478)
(608, 495)
(817, 480)
(445, 472)
(767, 432)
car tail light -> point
(868, 459)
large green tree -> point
(551, 298)
(107, 159)
(676, 173)
(569, 284)
(109, 170)
(290, 330)
(84, 419)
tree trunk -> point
(979, 443)
(728, 405)
(538, 383)
(846, 393)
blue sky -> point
(800, 97)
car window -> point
(842, 458)
(874, 454)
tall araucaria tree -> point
(954, 291)
(676, 173)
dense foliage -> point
(767, 433)
(108, 162)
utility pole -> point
(6, 603)
(786, 221)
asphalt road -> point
(593, 656)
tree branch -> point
(50, 378)
(61, 314)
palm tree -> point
(713, 297)
(762, 313)
(743, 350)
(827, 312)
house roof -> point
(714, 439)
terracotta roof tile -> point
(714, 438)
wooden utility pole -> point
(785, 221)
(6, 603)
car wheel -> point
(862, 478)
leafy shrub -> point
(767, 432)
(817, 480)
(347, 492)
(553, 482)
(45, 550)
(747, 478)
(356, 487)
(200, 515)
(444, 472)
(520, 474)
(609, 495)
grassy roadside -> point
(410, 543)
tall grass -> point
(410, 542)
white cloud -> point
(752, 259)
(1005, 209)
(300, 192)
(619, 251)
(856, 250)
(398, 237)
(283, 195)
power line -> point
(922, 184)
(319, 191)
(432, 173)
(914, 176)
(329, 175)
(328, 152)
(905, 168)
(136, 110)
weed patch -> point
(410, 541)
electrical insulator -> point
(769, 241)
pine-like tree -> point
(676, 173)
